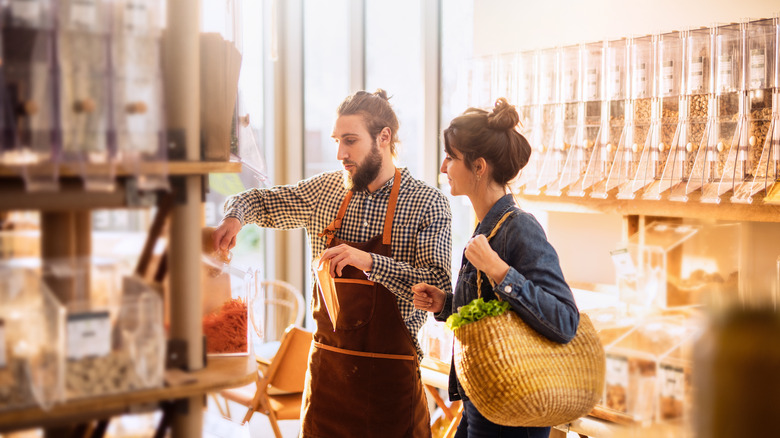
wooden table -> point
(220, 373)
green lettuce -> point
(474, 311)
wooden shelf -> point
(123, 169)
(71, 194)
(221, 373)
(758, 211)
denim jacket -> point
(534, 285)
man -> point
(382, 232)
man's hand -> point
(343, 255)
(224, 236)
(428, 298)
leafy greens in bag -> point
(476, 310)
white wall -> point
(502, 26)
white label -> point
(697, 74)
(89, 335)
(615, 91)
(640, 81)
(548, 87)
(527, 84)
(26, 11)
(136, 16)
(593, 84)
(667, 77)
(672, 382)
(572, 86)
(624, 264)
(757, 68)
(617, 370)
(3, 356)
(724, 72)
(83, 13)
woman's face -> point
(460, 177)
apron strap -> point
(334, 226)
(386, 235)
(364, 353)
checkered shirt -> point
(421, 240)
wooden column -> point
(182, 99)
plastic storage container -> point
(32, 341)
(548, 121)
(643, 366)
(227, 299)
(594, 120)
(29, 73)
(83, 36)
(114, 340)
(137, 94)
(617, 87)
(756, 166)
(664, 128)
(698, 85)
(722, 115)
(643, 70)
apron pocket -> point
(357, 299)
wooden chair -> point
(278, 391)
(282, 306)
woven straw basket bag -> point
(517, 377)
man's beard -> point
(365, 172)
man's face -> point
(357, 150)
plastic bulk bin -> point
(32, 333)
(113, 336)
(638, 360)
(436, 341)
(227, 298)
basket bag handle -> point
(490, 236)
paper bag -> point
(327, 287)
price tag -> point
(667, 77)
(672, 382)
(26, 11)
(624, 264)
(89, 335)
(697, 74)
(616, 82)
(640, 80)
(136, 16)
(757, 69)
(724, 73)
(593, 84)
(83, 13)
(617, 370)
(3, 356)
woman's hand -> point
(428, 298)
(342, 255)
(482, 256)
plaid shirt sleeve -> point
(280, 207)
(432, 247)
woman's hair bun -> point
(381, 93)
(504, 116)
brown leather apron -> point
(363, 378)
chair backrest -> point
(282, 306)
(288, 368)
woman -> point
(484, 152)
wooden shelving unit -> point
(758, 211)
(220, 373)
(66, 233)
